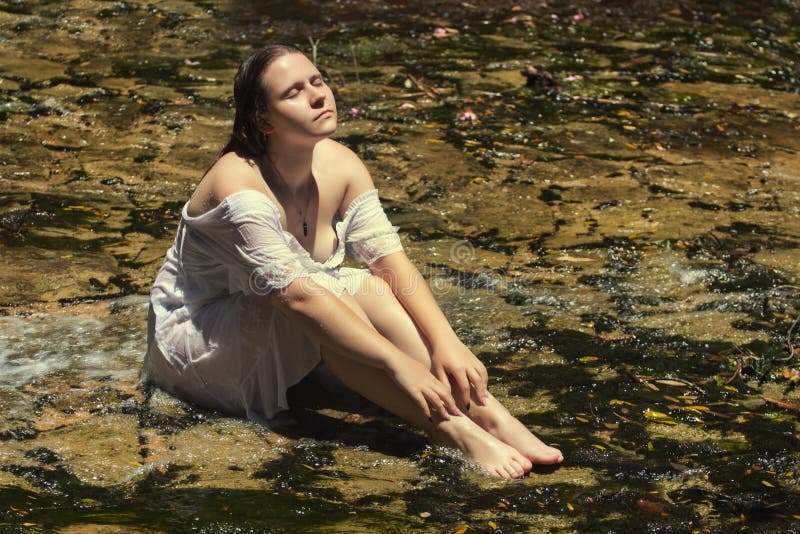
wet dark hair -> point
(250, 99)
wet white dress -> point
(213, 336)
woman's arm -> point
(331, 322)
(449, 356)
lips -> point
(325, 114)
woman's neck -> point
(293, 165)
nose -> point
(317, 95)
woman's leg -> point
(460, 432)
(390, 319)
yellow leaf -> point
(650, 446)
(587, 359)
(615, 402)
(659, 417)
(28, 524)
(307, 467)
(631, 146)
(462, 530)
(629, 127)
(767, 484)
(596, 446)
(623, 113)
(492, 524)
(135, 464)
(581, 419)
(570, 507)
(730, 388)
(436, 141)
(668, 382)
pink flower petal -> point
(468, 115)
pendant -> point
(305, 229)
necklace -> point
(304, 212)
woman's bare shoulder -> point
(345, 165)
(233, 173)
(229, 174)
(335, 155)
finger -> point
(441, 376)
(423, 404)
(484, 383)
(462, 383)
(434, 400)
(448, 402)
(477, 385)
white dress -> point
(214, 338)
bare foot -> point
(497, 421)
(480, 447)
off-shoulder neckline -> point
(361, 198)
(338, 226)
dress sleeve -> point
(262, 259)
(370, 235)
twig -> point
(663, 380)
(358, 78)
(736, 373)
(429, 90)
(628, 420)
(314, 45)
(789, 343)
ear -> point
(264, 124)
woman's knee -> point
(374, 286)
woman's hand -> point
(431, 394)
(456, 365)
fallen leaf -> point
(668, 382)
(650, 506)
(659, 417)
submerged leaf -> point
(669, 382)
(659, 417)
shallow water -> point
(614, 234)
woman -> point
(252, 295)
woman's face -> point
(300, 104)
